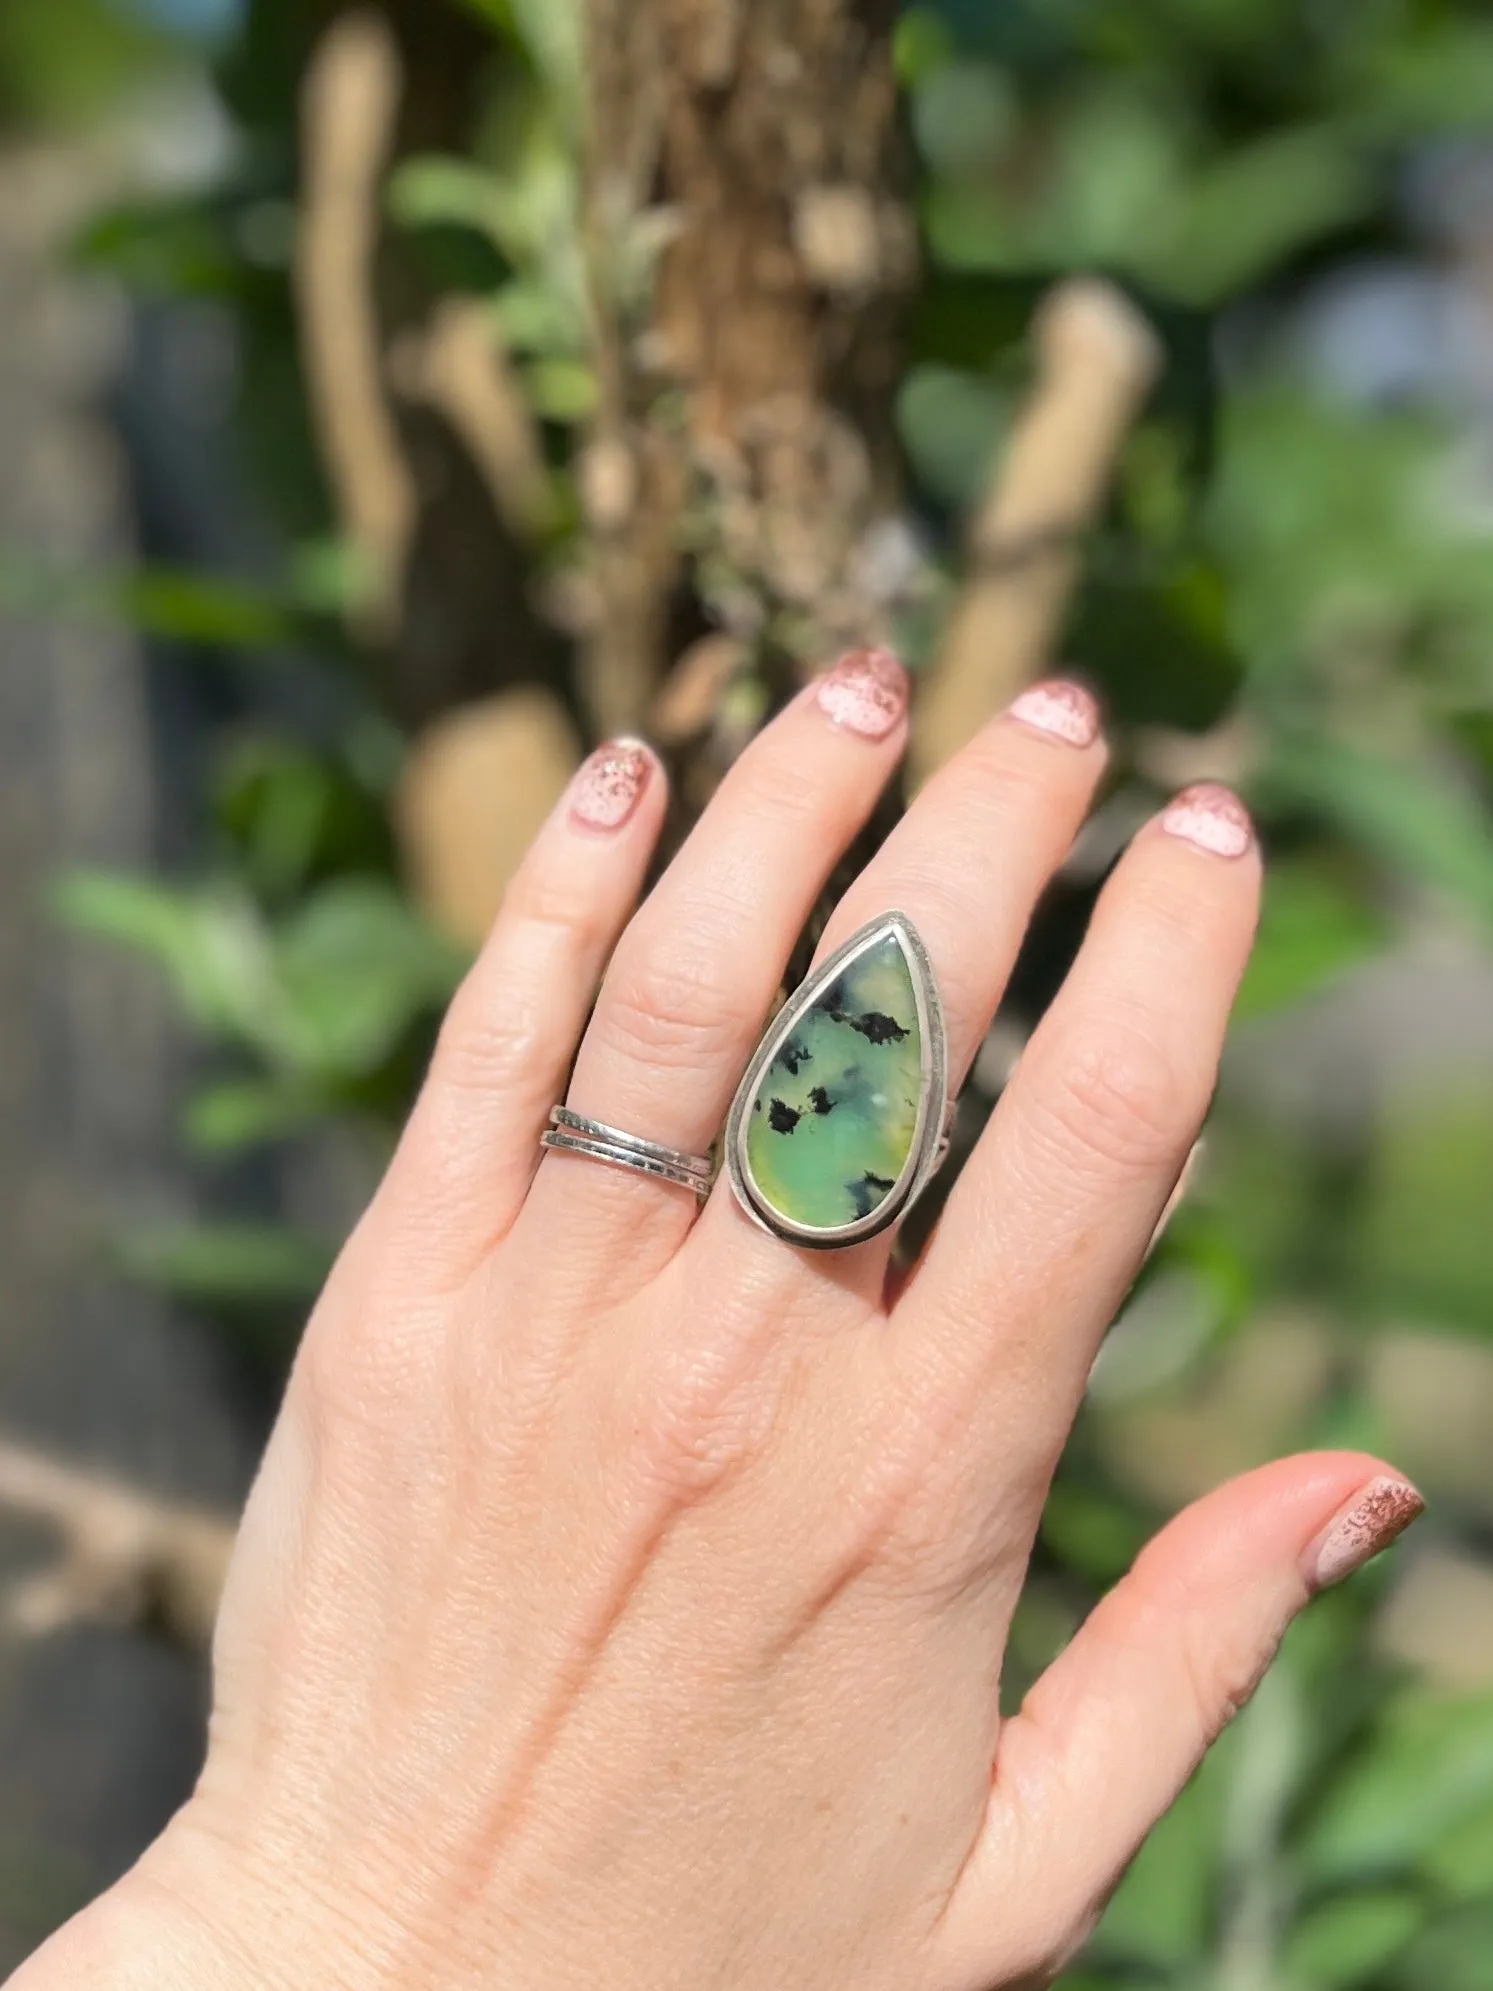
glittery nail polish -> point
(1372, 1519)
(1060, 709)
(1211, 819)
(610, 785)
(865, 693)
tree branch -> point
(1097, 359)
(126, 1558)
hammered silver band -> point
(573, 1133)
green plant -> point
(1283, 582)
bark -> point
(749, 251)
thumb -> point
(1116, 1726)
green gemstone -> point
(831, 1129)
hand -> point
(624, 1594)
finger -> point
(967, 865)
(472, 1145)
(1116, 1726)
(697, 971)
(1051, 1219)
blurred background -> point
(393, 403)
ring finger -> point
(967, 865)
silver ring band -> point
(573, 1133)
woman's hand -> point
(624, 1595)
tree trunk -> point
(749, 251)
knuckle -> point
(1221, 1681)
(696, 1404)
(487, 1042)
(680, 1431)
(1124, 1102)
(551, 904)
(365, 1366)
(671, 1007)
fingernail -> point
(610, 785)
(865, 693)
(1368, 1524)
(1211, 819)
(1061, 709)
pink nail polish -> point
(1372, 1519)
(865, 693)
(610, 785)
(1211, 819)
(1061, 709)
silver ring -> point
(573, 1133)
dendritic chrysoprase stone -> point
(832, 1127)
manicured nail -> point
(1061, 709)
(1211, 819)
(609, 787)
(865, 693)
(1368, 1524)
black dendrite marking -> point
(782, 1118)
(821, 1102)
(870, 1192)
(793, 1056)
(871, 1024)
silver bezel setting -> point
(929, 1142)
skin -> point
(624, 1593)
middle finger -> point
(966, 865)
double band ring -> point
(572, 1133)
(842, 1118)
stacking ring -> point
(572, 1133)
(843, 1117)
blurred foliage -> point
(1294, 577)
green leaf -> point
(1410, 815)
(210, 943)
(431, 190)
(69, 61)
(1163, 1913)
(358, 967)
(921, 44)
(562, 390)
(159, 601)
(965, 117)
(1345, 1943)
(228, 1264)
(1118, 169)
(1158, 644)
(162, 249)
(953, 425)
(1313, 927)
(1429, 1767)
(224, 1119)
(1091, 1531)
(1424, 1248)
(1453, 1955)
(188, 608)
(552, 32)
(535, 318)
(1255, 206)
(1435, 80)
(1461, 1862)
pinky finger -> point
(509, 1039)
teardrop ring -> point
(842, 1119)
